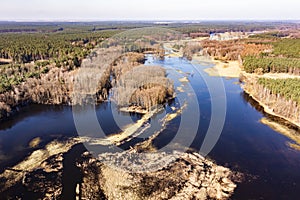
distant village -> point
(231, 35)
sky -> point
(99, 10)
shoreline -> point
(269, 110)
(282, 129)
(233, 69)
(228, 69)
(218, 70)
(133, 109)
(266, 108)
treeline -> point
(288, 88)
(283, 56)
(65, 51)
(59, 86)
(222, 27)
(11, 75)
(61, 47)
(254, 64)
(270, 35)
(280, 95)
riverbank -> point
(284, 130)
(233, 69)
(170, 176)
(268, 104)
(229, 69)
(126, 175)
(62, 85)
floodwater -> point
(270, 166)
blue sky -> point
(82, 10)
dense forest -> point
(32, 54)
(283, 57)
(221, 27)
(41, 67)
(288, 88)
(281, 96)
(61, 47)
(253, 64)
(288, 47)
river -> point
(270, 166)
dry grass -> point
(290, 133)
(230, 69)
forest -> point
(39, 67)
(253, 64)
(60, 47)
(138, 86)
(53, 64)
(32, 54)
(226, 50)
(144, 87)
(287, 47)
(281, 96)
(283, 58)
(35, 57)
(262, 53)
(288, 88)
(221, 27)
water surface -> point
(246, 145)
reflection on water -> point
(245, 144)
(260, 109)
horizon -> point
(153, 21)
(155, 10)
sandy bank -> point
(288, 132)
(127, 133)
(5, 60)
(229, 69)
(133, 109)
(270, 75)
